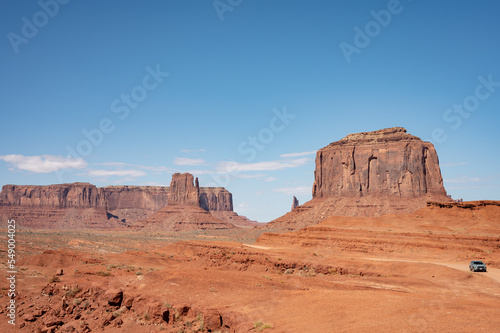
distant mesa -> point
(370, 174)
(84, 206)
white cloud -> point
(471, 187)
(43, 163)
(230, 167)
(242, 205)
(299, 190)
(306, 153)
(270, 179)
(201, 172)
(145, 167)
(250, 176)
(188, 161)
(453, 164)
(153, 184)
(191, 151)
(462, 180)
(115, 173)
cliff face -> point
(388, 162)
(216, 199)
(136, 197)
(76, 195)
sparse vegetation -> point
(73, 291)
(103, 273)
(54, 279)
(119, 312)
(259, 326)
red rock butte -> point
(83, 205)
(370, 174)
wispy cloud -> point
(471, 187)
(43, 163)
(153, 184)
(144, 167)
(299, 190)
(188, 161)
(192, 151)
(449, 165)
(463, 180)
(306, 153)
(115, 173)
(233, 167)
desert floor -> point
(389, 274)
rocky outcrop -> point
(295, 202)
(183, 190)
(388, 162)
(370, 174)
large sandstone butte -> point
(370, 174)
(388, 162)
(83, 205)
(184, 211)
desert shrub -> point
(118, 312)
(54, 279)
(103, 273)
(72, 292)
(259, 326)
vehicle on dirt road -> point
(477, 266)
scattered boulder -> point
(114, 297)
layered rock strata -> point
(83, 205)
(388, 162)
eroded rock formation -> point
(370, 174)
(83, 205)
(388, 162)
(295, 202)
(183, 190)
(75, 195)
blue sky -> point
(241, 93)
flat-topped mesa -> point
(183, 190)
(75, 195)
(216, 199)
(387, 162)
